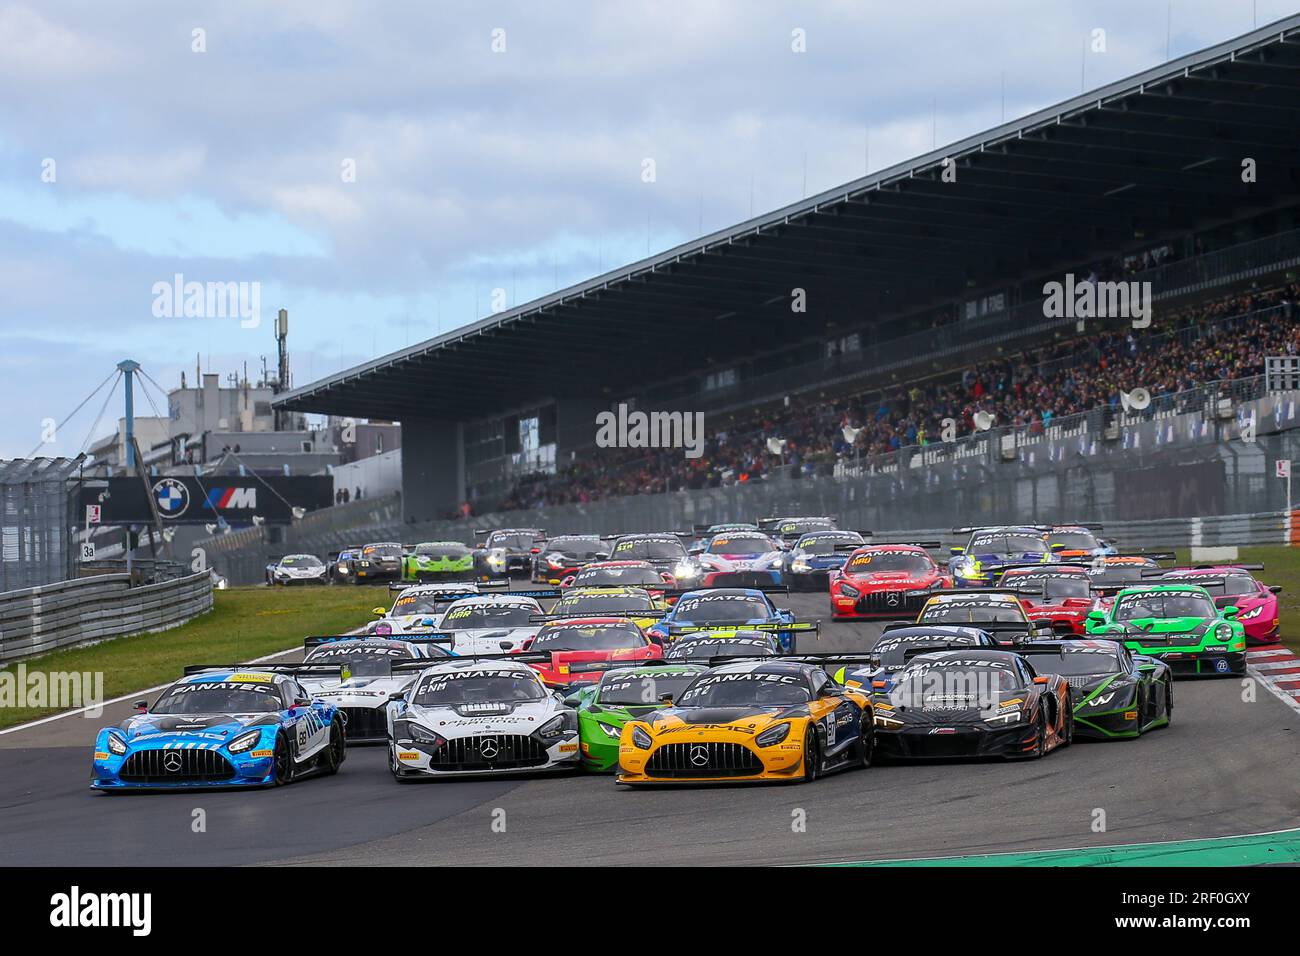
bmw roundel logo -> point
(172, 497)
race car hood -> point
(357, 686)
(1166, 625)
(508, 717)
(741, 562)
(891, 578)
(301, 572)
(565, 665)
(206, 727)
(824, 561)
(489, 640)
(745, 719)
(1024, 557)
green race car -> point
(1175, 623)
(623, 693)
(439, 561)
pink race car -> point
(1234, 586)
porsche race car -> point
(1177, 623)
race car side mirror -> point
(666, 699)
(141, 706)
(302, 702)
(1096, 617)
(1275, 588)
(1231, 611)
(1058, 546)
(378, 611)
(398, 698)
(1042, 679)
(956, 551)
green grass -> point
(1281, 566)
(244, 623)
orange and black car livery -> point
(766, 720)
(971, 703)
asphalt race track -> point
(1217, 771)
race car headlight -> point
(801, 565)
(685, 569)
(365, 564)
(1223, 632)
(245, 742)
(555, 561)
(610, 730)
(1251, 614)
(405, 729)
(883, 720)
(773, 735)
(969, 569)
(553, 727)
(641, 739)
(116, 745)
(1006, 717)
(849, 590)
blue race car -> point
(712, 608)
(990, 551)
(223, 726)
(808, 564)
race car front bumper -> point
(879, 605)
(484, 755)
(740, 579)
(708, 756)
(938, 741)
(180, 768)
(1200, 663)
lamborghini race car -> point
(728, 607)
(231, 726)
(573, 642)
(989, 551)
(565, 555)
(715, 643)
(1177, 623)
(814, 557)
(1075, 542)
(637, 574)
(377, 562)
(996, 610)
(744, 559)
(1256, 603)
(508, 550)
(662, 551)
(366, 679)
(1116, 694)
(298, 569)
(971, 703)
(636, 604)
(750, 721)
(900, 644)
(623, 694)
(1065, 597)
(885, 580)
(441, 561)
(474, 717)
(788, 529)
(418, 609)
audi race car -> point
(786, 530)
(508, 550)
(1116, 693)
(662, 551)
(565, 555)
(441, 561)
(492, 623)
(418, 609)
(783, 720)
(366, 680)
(465, 718)
(1176, 623)
(971, 703)
(996, 610)
(376, 563)
(746, 559)
(636, 574)
(727, 607)
(1256, 603)
(622, 694)
(989, 551)
(1063, 595)
(564, 647)
(635, 604)
(885, 580)
(814, 557)
(703, 532)
(227, 726)
(899, 645)
(1077, 542)
(715, 643)
(297, 569)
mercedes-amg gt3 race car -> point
(1116, 694)
(989, 551)
(492, 623)
(222, 726)
(971, 703)
(885, 581)
(765, 720)
(814, 557)
(465, 718)
(1176, 623)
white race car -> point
(298, 569)
(491, 623)
(418, 608)
(468, 717)
(362, 690)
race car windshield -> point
(382, 551)
(737, 610)
(1007, 545)
(219, 697)
(1073, 540)
(704, 648)
(825, 544)
(1077, 663)
(1232, 585)
(633, 690)
(588, 637)
(649, 549)
(575, 547)
(745, 690)
(895, 654)
(1055, 587)
(736, 544)
(515, 541)
(970, 612)
(302, 561)
(361, 661)
(441, 690)
(1135, 607)
(476, 616)
(416, 604)
(595, 577)
(595, 604)
(442, 550)
(872, 561)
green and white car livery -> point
(1175, 623)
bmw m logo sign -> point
(172, 497)
(221, 498)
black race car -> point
(788, 530)
(664, 552)
(565, 554)
(507, 550)
(897, 646)
(808, 564)
(722, 642)
(377, 562)
(996, 610)
(1117, 693)
(971, 703)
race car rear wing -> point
(1236, 565)
(938, 647)
(1167, 555)
(292, 669)
(424, 637)
(629, 615)
(423, 663)
(927, 545)
(1153, 577)
(1031, 589)
(676, 630)
(539, 594)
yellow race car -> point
(757, 720)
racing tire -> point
(811, 756)
(281, 761)
(866, 747)
(1067, 723)
(1169, 703)
(335, 750)
(1040, 736)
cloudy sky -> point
(380, 170)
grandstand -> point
(924, 303)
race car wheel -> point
(282, 761)
(334, 751)
(1040, 734)
(866, 743)
(1169, 702)
(1067, 721)
(812, 760)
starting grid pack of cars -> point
(666, 658)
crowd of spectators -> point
(1224, 339)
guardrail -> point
(41, 619)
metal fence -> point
(41, 619)
(36, 518)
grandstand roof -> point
(1154, 155)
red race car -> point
(575, 641)
(885, 581)
(1066, 596)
